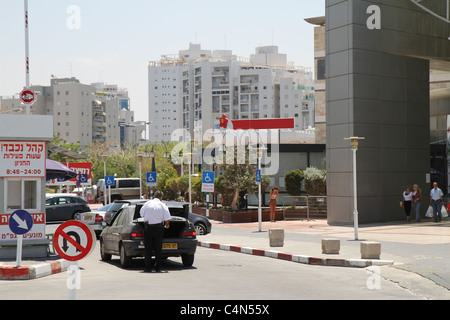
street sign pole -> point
(19, 251)
(259, 201)
(20, 223)
(27, 54)
(74, 241)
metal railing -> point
(299, 207)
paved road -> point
(216, 275)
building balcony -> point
(99, 118)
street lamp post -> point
(354, 142)
(152, 155)
(104, 158)
(190, 178)
(260, 156)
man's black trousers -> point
(153, 243)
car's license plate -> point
(86, 218)
(170, 246)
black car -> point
(117, 205)
(202, 224)
(124, 237)
(64, 207)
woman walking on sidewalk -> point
(417, 201)
(407, 202)
(274, 194)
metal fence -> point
(304, 207)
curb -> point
(352, 263)
(33, 272)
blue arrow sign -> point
(258, 176)
(21, 222)
(109, 181)
(152, 178)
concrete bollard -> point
(276, 237)
(331, 246)
(371, 250)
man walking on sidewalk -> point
(156, 217)
(436, 200)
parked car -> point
(124, 237)
(116, 206)
(123, 189)
(106, 214)
(202, 224)
(96, 218)
(64, 207)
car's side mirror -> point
(104, 224)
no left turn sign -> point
(74, 241)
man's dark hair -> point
(158, 194)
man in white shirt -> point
(156, 217)
(436, 199)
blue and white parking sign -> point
(109, 181)
(208, 182)
(21, 222)
(83, 178)
(152, 178)
(258, 176)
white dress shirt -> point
(155, 212)
(436, 194)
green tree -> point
(315, 182)
(293, 181)
(265, 183)
(237, 177)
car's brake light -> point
(187, 234)
(98, 218)
(137, 235)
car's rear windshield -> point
(117, 206)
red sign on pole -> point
(74, 241)
(28, 96)
(81, 168)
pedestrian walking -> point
(417, 201)
(274, 194)
(407, 202)
(157, 217)
(436, 200)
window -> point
(22, 195)
(122, 219)
(14, 200)
(321, 69)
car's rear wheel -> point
(77, 216)
(200, 229)
(188, 260)
(125, 261)
(103, 255)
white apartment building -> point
(193, 89)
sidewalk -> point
(32, 269)
(421, 248)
